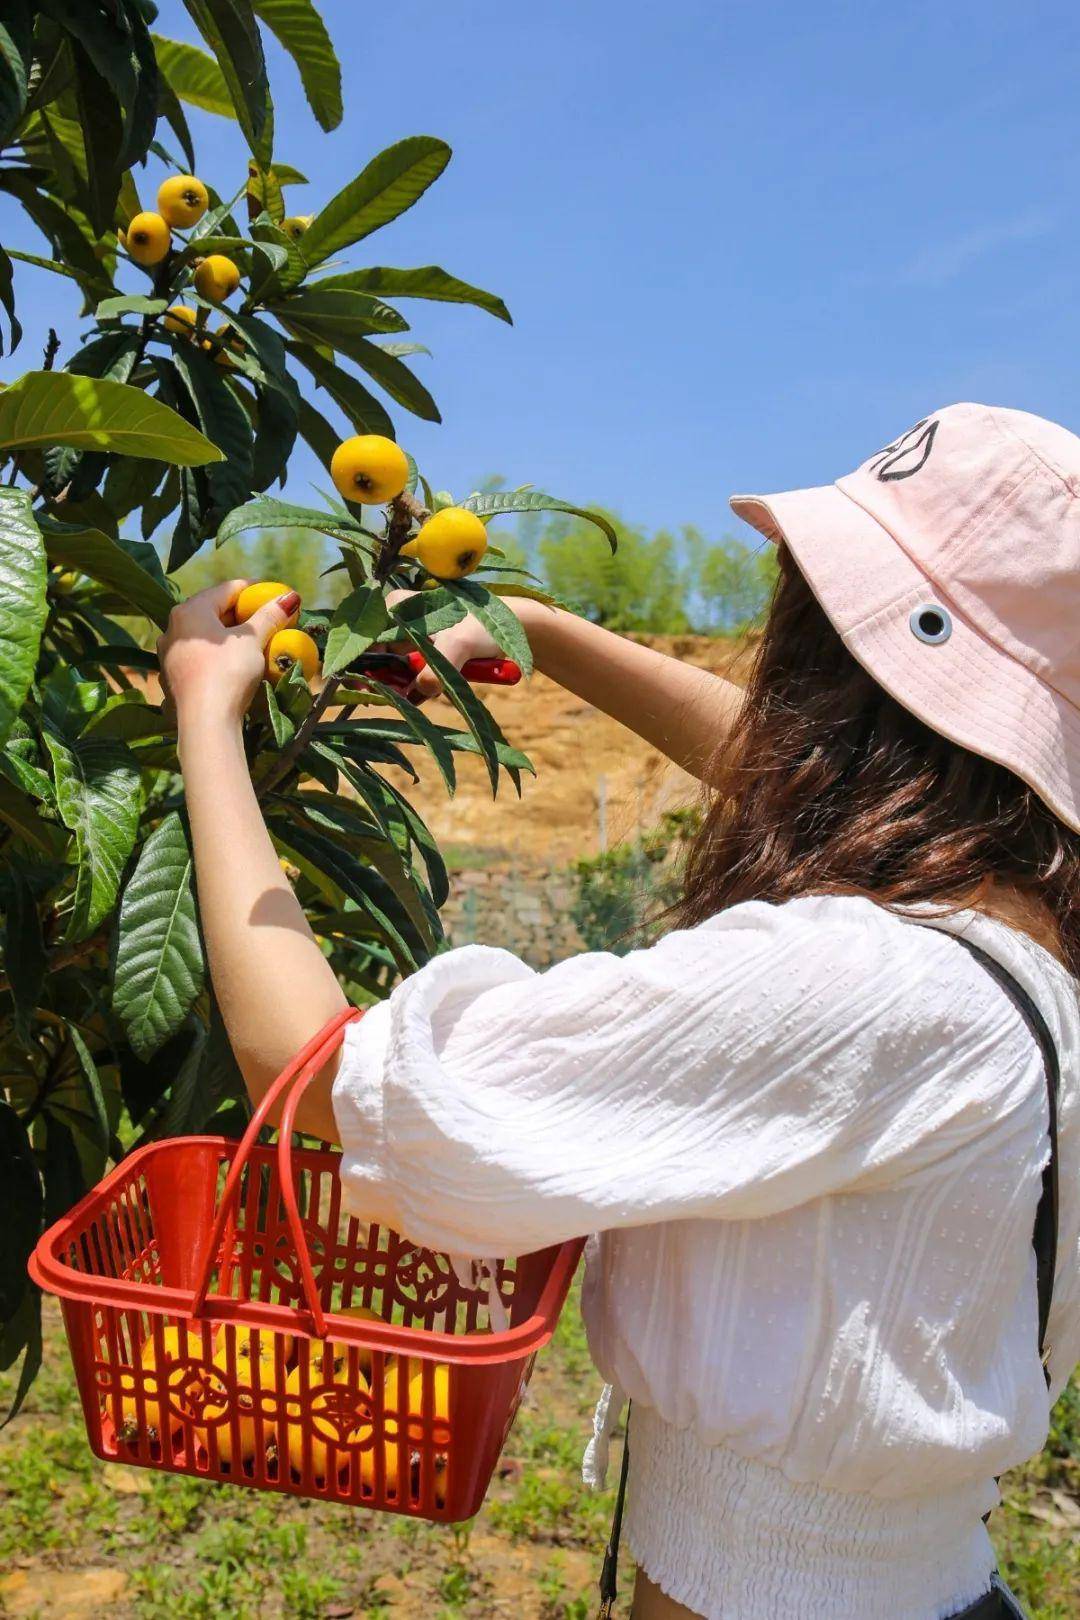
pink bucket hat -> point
(950, 564)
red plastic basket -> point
(207, 1287)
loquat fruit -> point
(296, 225)
(288, 648)
(148, 239)
(182, 201)
(180, 319)
(369, 468)
(450, 544)
(216, 278)
(253, 597)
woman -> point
(809, 1126)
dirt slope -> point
(579, 754)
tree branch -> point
(300, 741)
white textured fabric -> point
(810, 1137)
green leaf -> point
(63, 225)
(287, 266)
(170, 109)
(480, 721)
(331, 314)
(267, 513)
(16, 53)
(159, 959)
(423, 731)
(429, 611)
(78, 1105)
(23, 605)
(427, 281)
(22, 1334)
(194, 76)
(363, 410)
(111, 355)
(98, 797)
(129, 304)
(42, 264)
(317, 432)
(24, 951)
(102, 125)
(105, 560)
(22, 1204)
(301, 30)
(357, 623)
(225, 422)
(390, 184)
(531, 500)
(275, 435)
(502, 622)
(7, 299)
(91, 413)
(369, 889)
(230, 30)
(394, 375)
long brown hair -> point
(829, 786)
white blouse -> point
(810, 1137)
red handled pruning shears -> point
(400, 670)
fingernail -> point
(289, 602)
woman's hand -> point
(212, 668)
(462, 641)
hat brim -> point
(971, 691)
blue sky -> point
(743, 244)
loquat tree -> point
(163, 431)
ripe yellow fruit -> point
(180, 319)
(216, 278)
(414, 1401)
(287, 648)
(296, 225)
(269, 1390)
(450, 544)
(147, 240)
(391, 1466)
(253, 597)
(182, 201)
(157, 1420)
(323, 1424)
(369, 468)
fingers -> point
(426, 685)
(218, 598)
(271, 617)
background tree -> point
(169, 421)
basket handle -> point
(297, 1075)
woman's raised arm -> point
(273, 984)
(683, 711)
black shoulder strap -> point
(609, 1575)
(1045, 1235)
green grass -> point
(191, 1551)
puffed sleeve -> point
(735, 1070)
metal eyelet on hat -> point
(931, 624)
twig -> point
(52, 349)
(300, 741)
(405, 510)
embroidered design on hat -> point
(908, 455)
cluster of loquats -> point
(182, 200)
(287, 647)
(372, 470)
(283, 1381)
